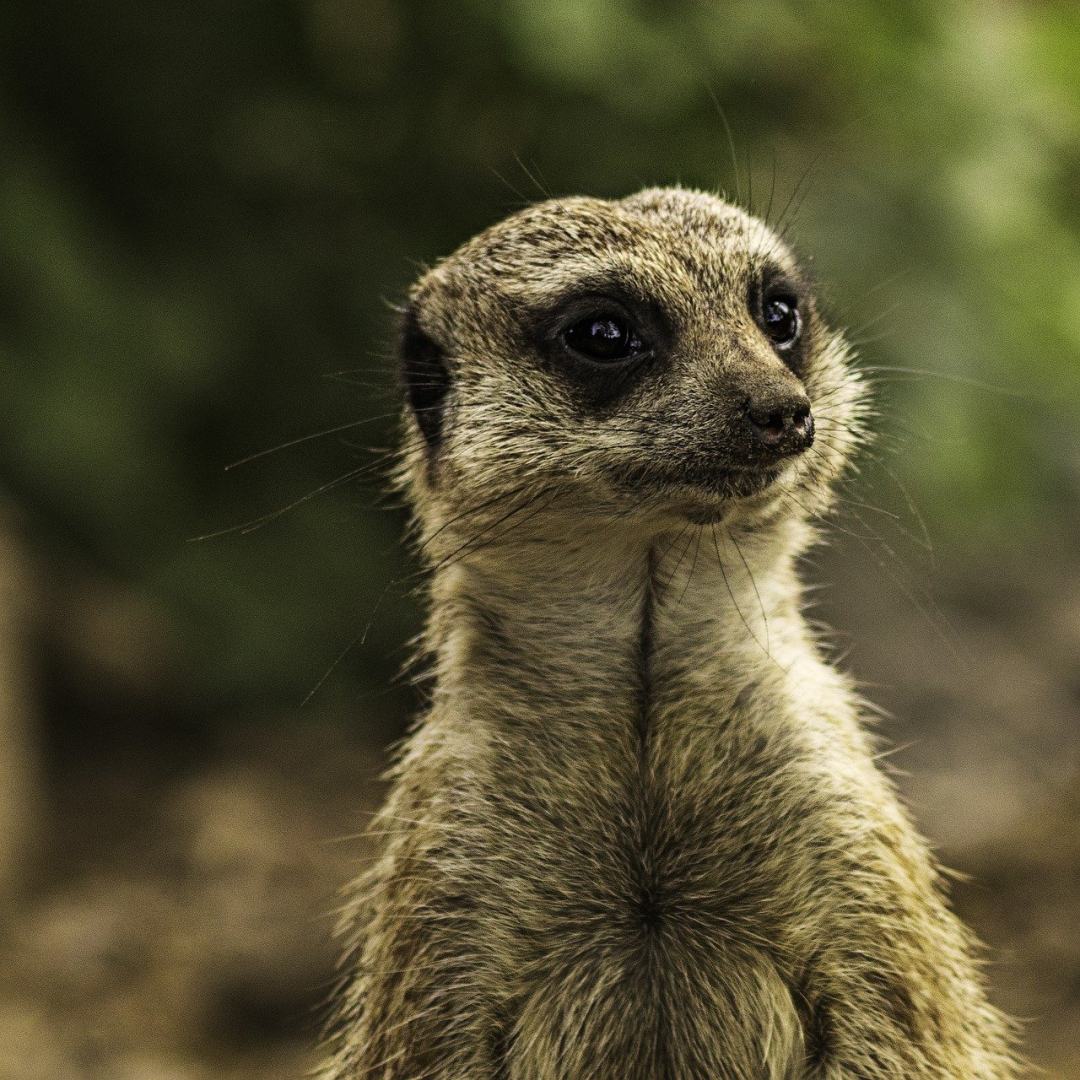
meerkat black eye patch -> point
(426, 375)
(601, 339)
(779, 304)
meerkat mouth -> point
(702, 494)
(710, 507)
(699, 494)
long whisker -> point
(731, 593)
(730, 140)
(693, 566)
(961, 380)
(753, 583)
(936, 618)
(257, 523)
(307, 438)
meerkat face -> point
(656, 356)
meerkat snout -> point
(781, 427)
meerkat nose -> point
(781, 427)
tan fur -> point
(639, 834)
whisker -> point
(693, 566)
(730, 140)
(257, 523)
(753, 583)
(305, 438)
(961, 380)
(731, 593)
(525, 169)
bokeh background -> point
(206, 211)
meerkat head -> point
(654, 359)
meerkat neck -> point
(597, 625)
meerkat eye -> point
(780, 320)
(604, 338)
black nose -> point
(781, 427)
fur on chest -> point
(641, 911)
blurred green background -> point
(207, 210)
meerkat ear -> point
(426, 376)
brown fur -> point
(640, 834)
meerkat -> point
(640, 833)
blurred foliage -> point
(207, 206)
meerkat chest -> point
(645, 901)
